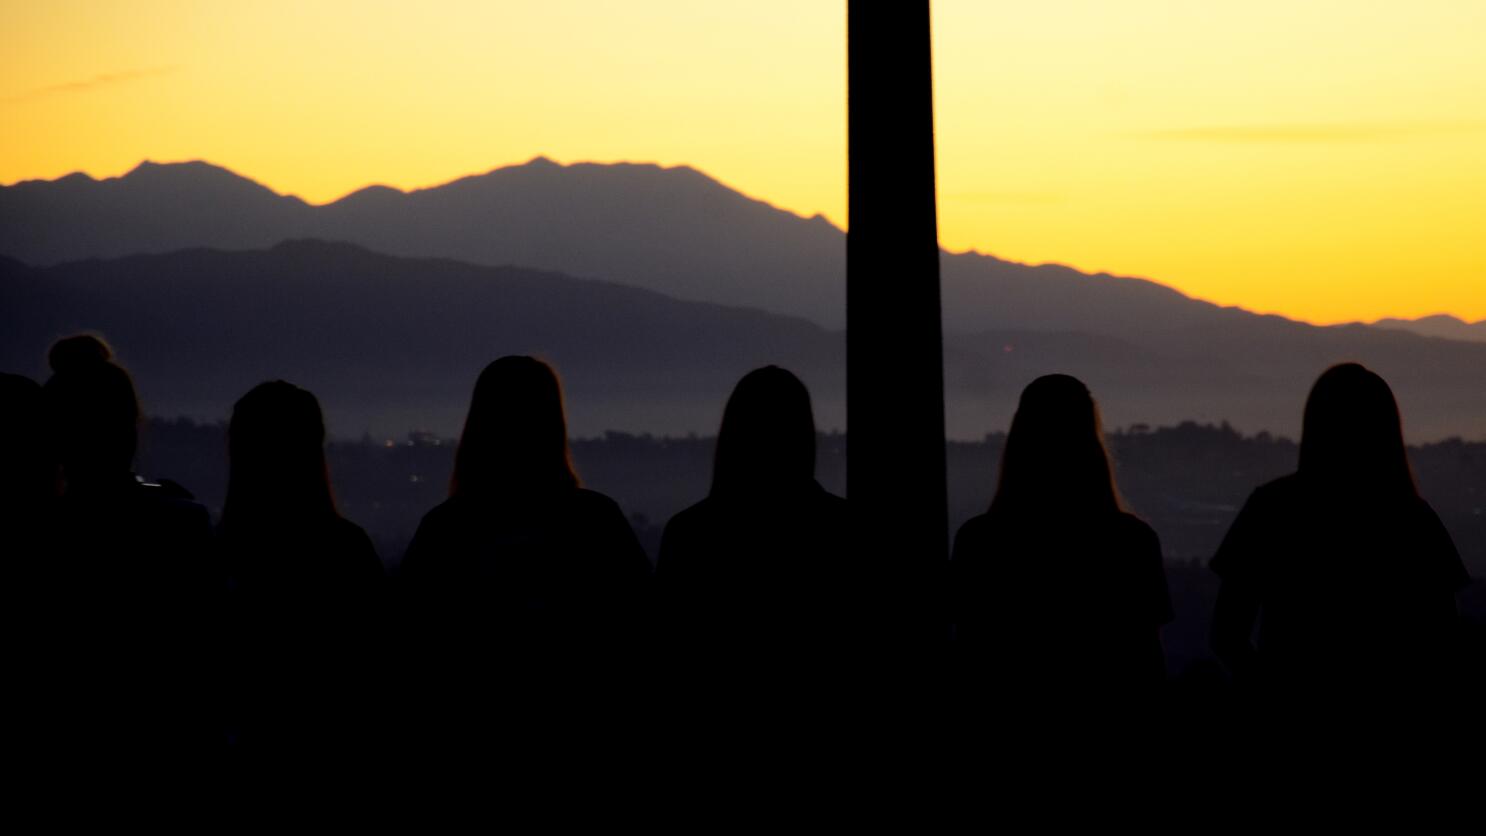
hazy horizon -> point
(392, 343)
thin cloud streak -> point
(97, 81)
(1335, 133)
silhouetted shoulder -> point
(168, 505)
(1148, 566)
(350, 533)
(441, 514)
(684, 533)
(1278, 493)
(817, 500)
(1284, 492)
(713, 519)
(831, 503)
(1288, 526)
(1110, 561)
(128, 514)
(355, 546)
(606, 526)
(1441, 548)
(1282, 487)
(1120, 532)
(974, 533)
(680, 539)
(448, 518)
(321, 560)
(1137, 532)
(441, 529)
(578, 503)
(690, 516)
(185, 508)
(589, 502)
(1243, 548)
(571, 526)
(700, 516)
(682, 524)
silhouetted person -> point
(134, 576)
(525, 587)
(1056, 591)
(1347, 573)
(755, 577)
(307, 583)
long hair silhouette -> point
(1352, 435)
(1055, 456)
(306, 583)
(767, 440)
(1348, 573)
(94, 409)
(515, 438)
(756, 585)
(1056, 589)
(276, 451)
(525, 591)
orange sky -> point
(1322, 159)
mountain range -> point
(1440, 325)
(391, 343)
(653, 288)
(672, 230)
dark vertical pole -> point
(894, 354)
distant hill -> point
(672, 230)
(392, 343)
(1443, 326)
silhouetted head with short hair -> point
(93, 409)
(276, 458)
(515, 438)
(1055, 461)
(767, 441)
(1352, 436)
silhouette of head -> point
(1055, 460)
(767, 441)
(93, 409)
(27, 471)
(1352, 435)
(515, 438)
(276, 457)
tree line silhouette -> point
(526, 611)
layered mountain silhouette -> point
(391, 343)
(672, 230)
(1443, 326)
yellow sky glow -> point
(1323, 160)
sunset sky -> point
(1323, 159)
